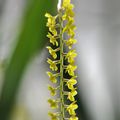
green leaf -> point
(31, 40)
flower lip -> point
(52, 77)
(52, 90)
(52, 52)
(53, 103)
(71, 108)
(53, 65)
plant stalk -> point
(61, 66)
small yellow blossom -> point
(51, 20)
(52, 77)
(52, 90)
(68, 18)
(52, 39)
(73, 118)
(51, 23)
(67, 4)
(69, 14)
(70, 69)
(54, 116)
(70, 30)
(53, 103)
(71, 83)
(72, 94)
(70, 42)
(52, 52)
(53, 31)
(71, 108)
(69, 23)
(53, 65)
(70, 56)
(68, 7)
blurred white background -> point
(98, 35)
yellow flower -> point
(51, 20)
(72, 94)
(52, 77)
(73, 118)
(51, 23)
(54, 116)
(53, 103)
(70, 42)
(69, 23)
(70, 30)
(67, 4)
(52, 39)
(70, 56)
(70, 69)
(52, 52)
(71, 83)
(71, 108)
(53, 31)
(68, 7)
(69, 18)
(53, 65)
(52, 90)
(69, 12)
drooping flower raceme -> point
(62, 63)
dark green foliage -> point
(31, 40)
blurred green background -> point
(28, 43)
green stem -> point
(61, 66)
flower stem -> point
(61, 66)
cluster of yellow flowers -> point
(60, 25)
